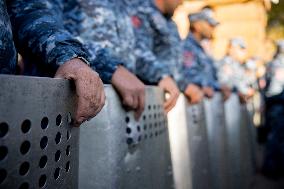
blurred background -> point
(259, 22)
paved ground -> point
(261, 182)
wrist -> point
(73, 68)
(164, 76)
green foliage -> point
(276, 21)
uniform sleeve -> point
(192, 75)
(191, 68)
(39, 32)
(149, 68)
(99, 34)
(8, 54)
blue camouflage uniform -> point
(45, 42)
(8, 54)
(198, 65)
(158, 45)
(103, 24)
(231, 73)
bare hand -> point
(226, 91)
(89, 89)
(194, 94)
(169, 86)
(130, 89)
(208, 92)
(250, 92)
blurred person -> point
(104, 25)
(112, 27)
(231, 70)
(38, 34)
(157, 46)
(207, 46)
(76, 18)
(159, 34)
(274, 99)
(274, 75)
(257, 101)
(251, 69)
(257, 66)
(197, 63)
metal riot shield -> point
(38, 147)
(216, 130)
(198, 146)
(233, 128)
(246, 147)
(118, 152)
(179, 142)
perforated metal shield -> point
(246, 143)
(118, 152)
(179, 142)
(38, 147)
(252, 109)
(215, 121)
(233, 120)
(198, 145)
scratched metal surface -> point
(118, 152)
(199, 148)
(38, 147)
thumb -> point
(59, 75)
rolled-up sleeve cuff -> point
(105, 65)
(62, 54)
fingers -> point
(209, 93)
(242, 98)
(169, 86)
(226, 91)
(89, 89)
(135, 102)
(168, 104)
(90, 102)
(227, 96)
(171, 101)
(81, 114)
(196, 99)
(141, 105)
(130, 101)
(194, 94)
(130, 89)
(102, 102)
